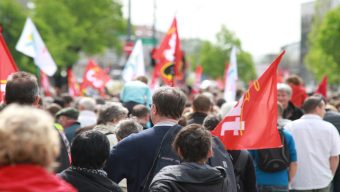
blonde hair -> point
(27, 135)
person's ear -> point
(179, 153)
(210, 153)
(153, 109)
(36, 101)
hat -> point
(68, 112)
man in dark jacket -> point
(136, 157)
(193, 145)
(89, 152)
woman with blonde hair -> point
(28, 149)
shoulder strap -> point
(241, 162)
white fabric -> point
(31, 44)
(87, 118)
(316, 141)
(135, 65)
(231, 78)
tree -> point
(213, 57)
(324, 53)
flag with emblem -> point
(252, 123)
(134, 66)
(169, 56)
(94, 77)
(7, 66)
(31, 44)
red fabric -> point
(73, 86)
(45, 84)
(169, 56)
(95, 77)
(322, 88)
(7, 66)
(252, 123)
(31, 178)
(298, 96)
(198, 77)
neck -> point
(165, 119)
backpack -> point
(240, 167)
(275, 159)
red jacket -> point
(31, 178)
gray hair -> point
(87, 103)
(284, 87)
(126, 127)
(111, 112)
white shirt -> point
(316, 141)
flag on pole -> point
(94, 77)
(31, 44)
(45, 84)
(135, 65)
(73, 86)
(252, 123)
(322, 88)
(7, 66)
(231, 78)
(169, 56)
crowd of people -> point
(140, 141)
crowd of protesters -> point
(160, 142)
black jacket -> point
(197, 118)
(292, 112)
(190, 177)
(89, 181)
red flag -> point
(169, 56)
(7, 66)
(94, 77)
(322, 88)
(73, 86)
(298, 95)
(252, 123)
(45, 84)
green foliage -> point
(324, 54)
(12, 19)
(213, 57)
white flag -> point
(31, 44)
(135, 65)
(231, 78)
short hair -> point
(87, 103)
(142, 79)
(284, 87)
(194, 143)
(28, 136)
(202, 103)
(126, 127)
(90, 149)
(220, 102)
(21, 88)
(311, 103)
(53, 109)
(140, 110)
(68, 99)
(169, 102)
(111, 111)
(295, 80)
(211, 121)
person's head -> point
(142, 113)
(168, 102)
(87, 103)
(193, 144)
(53, 108)
(294, 80)
(284, 93)
(202, 104)
(22, 88)
(27, 136)
(211, 121)
(68, 99)
(111, 112)
(314, 105)
(90, 149)
(67, 116)
(126, 127)
(142, 79)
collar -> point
(165, 123)
(311, 116)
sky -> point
(263, 26)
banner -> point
(94, 77)
(230, 83)
(135, 65)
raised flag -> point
(135, 65)
(45, 84)
(31, 44)
(7, 66)
(169, 56)
(231, 78)
(322, 88)
(252, 123)
(94, 77)
(73, 85)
